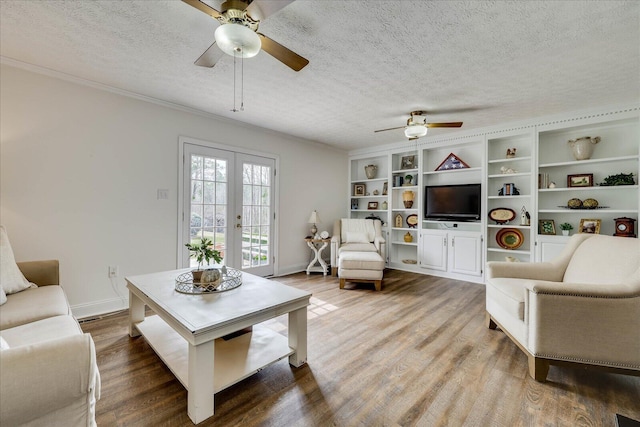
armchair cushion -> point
(509, 294)
(603, 261)
(357, 237)
(357, 226)
(357, 247)
(32, 305)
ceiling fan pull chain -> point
(241, 79)
(234, 82)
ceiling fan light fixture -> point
(415, 131)
(238, 40)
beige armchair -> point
(582, 309)
(358, 251)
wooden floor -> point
(415, 354)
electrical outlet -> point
(113, 271)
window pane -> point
(221, 193)
(209, 192)
(246, 174)
(221, 170)
(196, 191)
(209, 169)
(196, 167)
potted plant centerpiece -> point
(203, 251)
(566, 227)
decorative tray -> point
(582, 208)
(510, 238)
(231, 279)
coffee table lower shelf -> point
(234, 360)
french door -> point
(228, 197)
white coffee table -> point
(186, 331)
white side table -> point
(317, 246)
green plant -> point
(204, 251)
(566, 226)
(619, 179)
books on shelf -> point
(543, 180)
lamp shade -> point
(314, 218)
(238, 40)
(415, 131)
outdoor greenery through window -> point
(256, 221)
(209, 198)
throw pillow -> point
(3, 344)
(11, 278)
(355, 237)
(3, 296)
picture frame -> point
(580, 180)
(591, 226)
(547, 226)
(354, 204)
(372, 205)
(408, 162)
(385, 188)
(359, 189)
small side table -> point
(317, 246)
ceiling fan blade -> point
(282, 54)
(445, 125)
(260, 9)
(203, 7)
(210, 56)
(384, 130)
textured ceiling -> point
(371, 62)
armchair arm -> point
(523, 270)
(335, 245)
(41, 273)
(38, 379)
(380, 244)
(588, 323)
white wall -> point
(80, 168)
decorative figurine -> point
(511, 153)
(525, 218)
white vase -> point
(565, 232)
(370, 171)
(583, 147)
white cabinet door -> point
(433, 245)
(550, 247)
(465, 253)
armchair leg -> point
(538, 368)
(334, 271)
(342, 283)
(488, 321)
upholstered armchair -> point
(356, 235)
(581, 309)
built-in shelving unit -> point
(509, 164)
(460, 249)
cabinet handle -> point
(444, 242)
(453, 242)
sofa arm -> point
(380, 244)
(335, 245)
(524, 270)
(40, 378)
(41, 273)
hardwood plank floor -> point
(415, 354)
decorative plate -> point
(510, 238)
(502, 215)
(409, 261)
(412, 220)
(324, 234)
(583, 208)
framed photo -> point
(591, 226)
(354, 204)
(372, 205)
(547, 226)
(359, 189)
(385, 188)
(408, 162)
(580, 180)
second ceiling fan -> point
(238, 33)
(417, 128)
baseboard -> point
(82, 311)
(290, 269)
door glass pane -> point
(208, 202)
(256, 219)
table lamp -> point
(313, 219)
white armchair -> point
(356, 235)
(582, 309)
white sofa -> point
(48, 370)
(582, 309)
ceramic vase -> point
(583, 147)
(370, 171)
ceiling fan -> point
(238, 33)
(418, 128)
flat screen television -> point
(460, 202)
